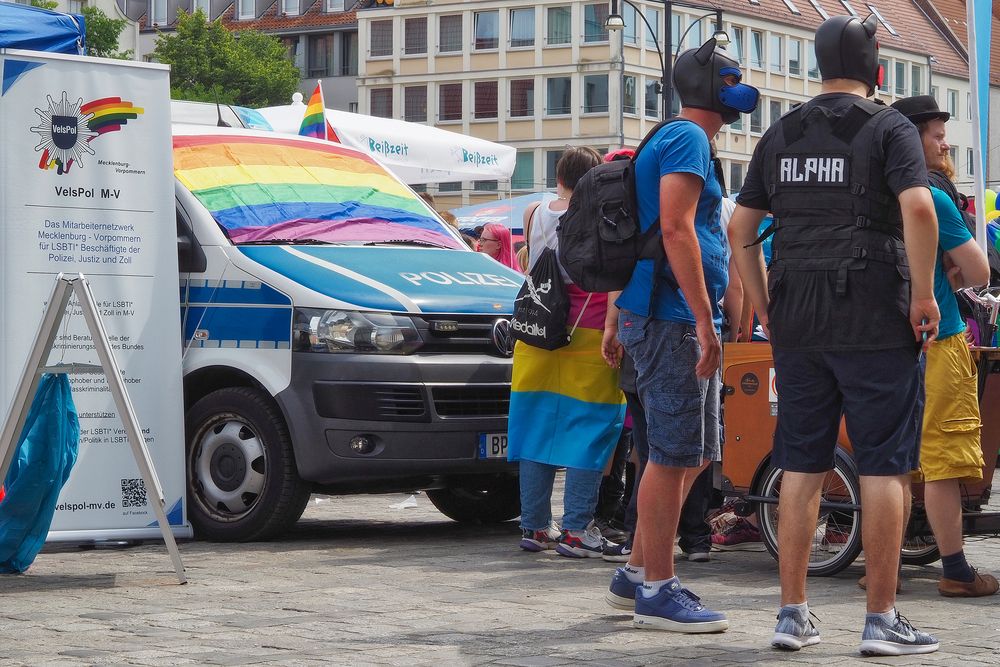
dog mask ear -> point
(704, 53)
(871, 25)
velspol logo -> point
(502, 338)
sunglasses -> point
(483, 239)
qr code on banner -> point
(133, 493)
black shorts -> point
(879, 392)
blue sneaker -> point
(676, 609)
(897, 638)
(794, 630)
(621, 594)
(617, 553)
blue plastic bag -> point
(46, 452)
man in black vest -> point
(846, 306)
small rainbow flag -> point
(314, 123)
(110, 113)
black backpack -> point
(600, 239)
(542, 306)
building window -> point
(757, 119)
(884, 64)
(629, 34)
(652, 99)
(756, 49)
(900, 78)
(675, 30)
(290, 7)
(735, 177)
(551, 159)
(774, 110)
(558, 28)
(888, 26)
(450, 33)
(334, 5)
(971, 154)
(320, 48)
(487, 27)
(522, 27)
(795, 57)
(675, 103)
(595, 93)
(76, 7)
(381, 102)
(558, 95)
(522, 98)
(819, 9)
(628, 94)
(653, 34)
(415, 104)
(953, 103)
(737, 45)
(484, 186)
(968, 106)
(415, 35)
(485, 96)
(777, 55)
(934, 94)
(349, 54)
(450, 101)
(792, 8)
(204, 5)
(450, 186)
(737, 125)
(247, 11)
(523, 177)
(813, 62)
(594, 17)
(380, 44)
(916, 80)
(953, 154)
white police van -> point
(338, 337)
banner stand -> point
(35, 366)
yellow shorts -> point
(949, 447)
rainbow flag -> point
(261, 188)
(110, 113)
(314, 122)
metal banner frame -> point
(62, 290)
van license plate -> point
(493, 445)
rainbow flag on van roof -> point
(314, 122)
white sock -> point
(888, 616)
(803, 608)
(651, 588)
(635, 574)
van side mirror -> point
(190, 256)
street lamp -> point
(615, 22)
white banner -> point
(86, 186)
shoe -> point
(617, 553)
(587, 543)
(897, 638)
(621, 593)
(699, 556)
(794, 630)
(610, 531)
(539, 540)
(678, 610)
(983, 584)
(863, 584)
(740, 536)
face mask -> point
(740, 97)
(698, 76)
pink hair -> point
(502, 235)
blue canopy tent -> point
(35, 29)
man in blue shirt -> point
(669, 324)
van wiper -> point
(290, 242)
(411, 242)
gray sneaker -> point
(794, 630)
(897, 638)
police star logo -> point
(64, 134)
(502, 338)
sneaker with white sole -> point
(539, 540)
(698, 556)
(587, 543)
(617, 553)
(676, 609)
(794, 630)
(897, 638)
(621, 593)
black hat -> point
(846, 48)
(920, 108)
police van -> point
(338, 336)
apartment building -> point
(543, 75)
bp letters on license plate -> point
(493, 445)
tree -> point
(210, 64)
(102, 34)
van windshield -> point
(264, 189)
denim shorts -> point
(880, 394)
(682, 410)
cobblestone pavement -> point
(361, 582)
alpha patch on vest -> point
(812, 170)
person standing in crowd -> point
(846, 305)
(950, 451)
(669, 325)
(496, 242)
(565, 406)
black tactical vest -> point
(838, 277)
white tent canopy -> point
(416, 153)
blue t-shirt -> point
(952, 233)
(679, 147)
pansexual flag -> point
(314, 123)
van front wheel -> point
(492, 499)
(240, 468)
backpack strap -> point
(527, 223)
(857, 116)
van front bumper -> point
(424, 414)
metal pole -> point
(668, 61)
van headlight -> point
(352, 331)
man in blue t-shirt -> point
(669, 325)
(950, 450)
